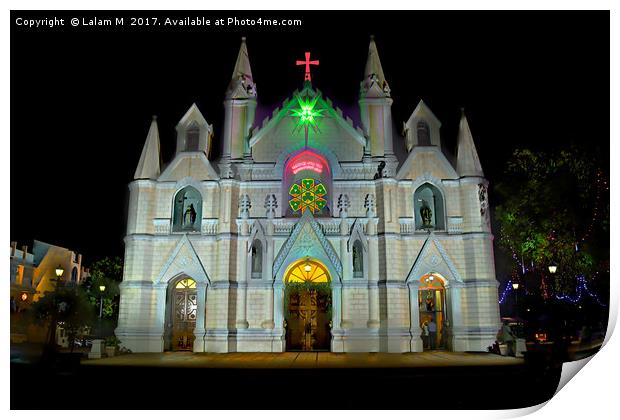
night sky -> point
(82, 98)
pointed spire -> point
(373, 73)
(148, 167)
(242, 85)
(467, 161)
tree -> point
(554, 210)
(72, 309)
(106, 272)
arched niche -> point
(256, 259)
(358, 259)
(424, 133)
(429, 209)
(187, 210)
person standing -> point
(508, 337)
(425, 335)
(432, 333)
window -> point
(307, 271)
(429, 209)
(257, 259)
(74, 273)
(358, 259)
(192, 138)
(424, 134)
(308, 194)
(187, 210)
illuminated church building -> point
(309, 232)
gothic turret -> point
(148, 167)
(467, 161)
(375, 106)
(240, 107)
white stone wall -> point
(240, 313)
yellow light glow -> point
(24, 296)
(515, 286)
(307, 271)
(186, 284)
(102, 288)
(553, 268)
(432, 280)
(59, 271)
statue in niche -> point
(357, 261)
(380, 168)
(427, 214)
(257, 262)
(189, 218)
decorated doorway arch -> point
(432, 303)
(182, 312)
(307, 306)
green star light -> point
(307, 112)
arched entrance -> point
(432, 302)
(181, 315)
(307, 306)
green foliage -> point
(73, 310)
(107, 272)
(112, 341)
(546, 211)
(322, 288)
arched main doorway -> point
(181, 315)
(432, 302)
(307, 306)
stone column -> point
(373, 305)
(414, 316)
(336, 305)
(278, 302)
(201, 306)
(454, 315)
(159, 294)
(373, 275)
(242, 321)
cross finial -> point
(307, 63)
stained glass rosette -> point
(307, 195)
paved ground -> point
(430, 380)
(306, 360)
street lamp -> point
(51, 344)
(101, 289)
(515, 287)
(307, 267)
(553, 268)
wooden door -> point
(307, 321)
(184, 318)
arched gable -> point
(308, 240)
(182, 261)
(433, 257)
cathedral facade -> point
(309, 232)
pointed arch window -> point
(358, 259)
(424, 133)
(429, 208)
(192, 138)
(187, 210)
(74, 274)
(257, 259)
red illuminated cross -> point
(307, 64)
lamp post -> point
(515, 287)
(101, 289)
(553, 268)
(51, 344)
